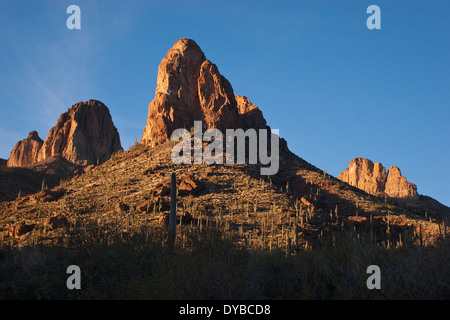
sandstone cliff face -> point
(365, 175)
(372, 178)
(216, 97)
(251, 116)
(397, 186)
(26, 151)
(190, 88)
(85, 134)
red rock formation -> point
(85, 134)
(398, 187)
(189, 186)
(372, 178)
(190, 88)
(25, 152)
(56, 222)
(364, 174)
(251, 116)
(20, 229)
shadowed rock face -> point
(26, 151)
(372, 178)
(85, 134)
(250, 115)
(190, 88)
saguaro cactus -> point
(173, 211)
(296, 236)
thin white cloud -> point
(54, 78)
(53, 71)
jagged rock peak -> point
(251, 116)
(85, 134)
(397, 186)
(185, 44)
(25, 152)
(372, 178)
(34, 135)
(364, 174)
(190, 88)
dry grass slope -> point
(299, 234)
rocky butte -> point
(190, 88)
(398, 187)
(85, 134)
(372, 178)
(26, 151)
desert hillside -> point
(77, 195)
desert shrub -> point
(137, 265)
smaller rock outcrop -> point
(397, 186)
(365, 175)
(85, 134)
(122, 207)
(58, 221)
(189, 186)
(373, 179)
(251, 116)
(26, 151)
(20, 229)
(46, 195)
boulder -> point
(46, 195)
(122, 207)
(358, 221)
(162, 190)
(56, 222)
(144, 207)
(189, 186)
(306, 202)
(20, 229)
(149, 206)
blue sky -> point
(335, 89)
